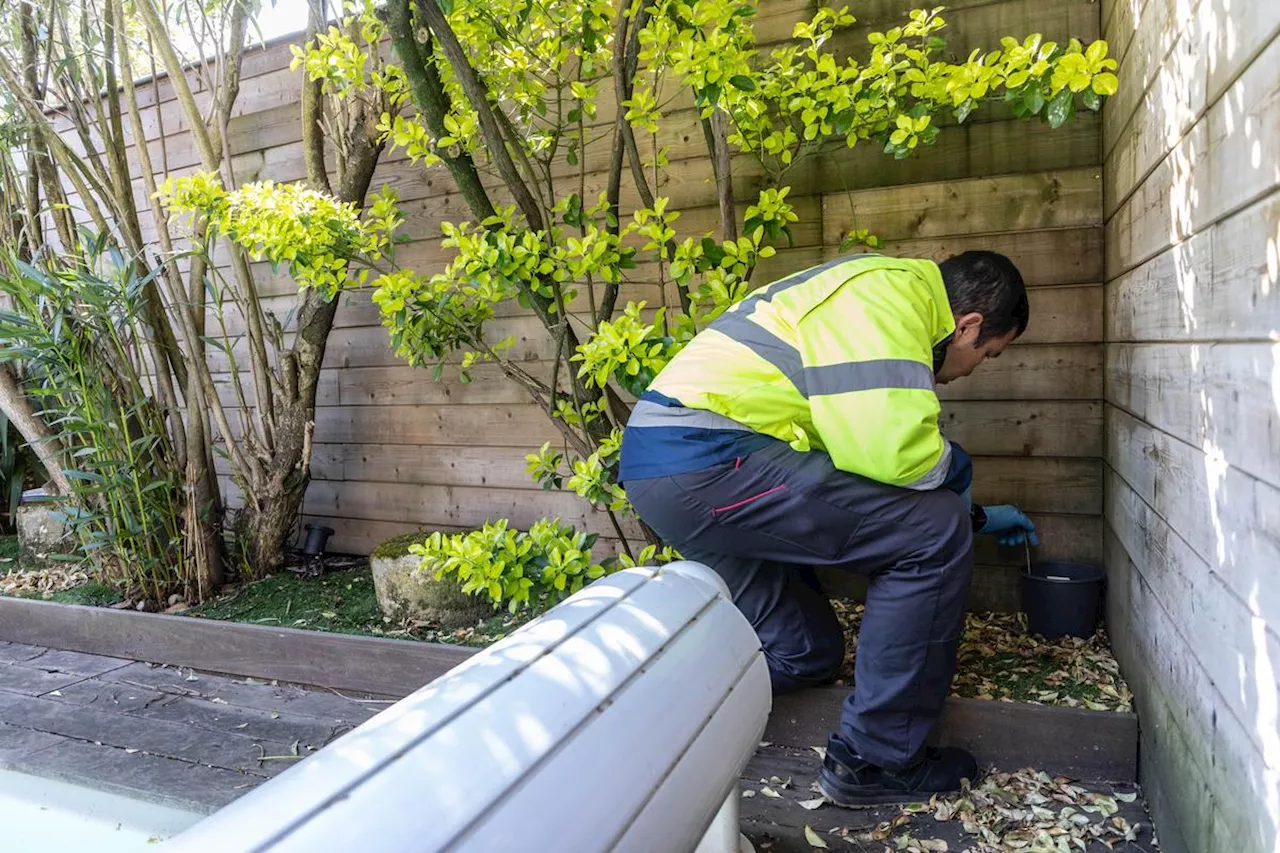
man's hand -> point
(1009, 525)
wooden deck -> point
(197, 741)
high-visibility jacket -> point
(838, 358)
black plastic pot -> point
(317, 536)
(1062, 598)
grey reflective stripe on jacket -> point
(649, 414)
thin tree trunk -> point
(718, 145)
(17, 408)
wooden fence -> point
(1192, 203)
(396, 451)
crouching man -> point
(800, 429)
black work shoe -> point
(850, 781)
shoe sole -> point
(880, 798)
(885, 798)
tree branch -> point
(313, 111)
(478, 96)
(172, 64)
(427, 90)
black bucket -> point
(1062, 598)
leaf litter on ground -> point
(1025, 810)
(999, 660)
(42, 582)
(1030, 811)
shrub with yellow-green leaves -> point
(312, 234)
(516, 568)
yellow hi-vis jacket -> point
(836, 358)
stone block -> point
(406, 593)
(41, 533)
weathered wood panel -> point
(1191, 177)
(1153, 34)
(1215, 396)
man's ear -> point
(968, 327)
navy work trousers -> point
(766, 521)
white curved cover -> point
(620, 720)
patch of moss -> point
(398, 547)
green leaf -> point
(743, 83)
(1091, 100)
(1034, 100)
(1106, 84)
(572, 157)
(1061, 108)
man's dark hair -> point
(988, 283)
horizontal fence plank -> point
(1036, 484)
(496, 426)
(1025, 428)
(1059, 371)
(1217, 396)
(455, 506)
(1065, 256)
(1066, 486)
(1041, 200)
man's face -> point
(964, 353)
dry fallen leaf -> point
(812, 804)
(218, 700)
(769, 792)
(748, 793)
(814, 839)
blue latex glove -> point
(1009, 525)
